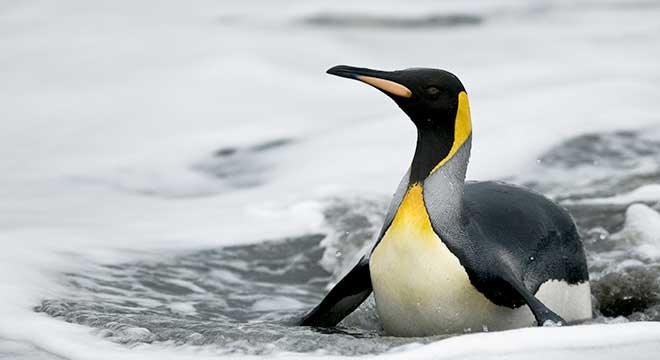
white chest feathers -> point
(421, 288)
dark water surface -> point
(240, 298)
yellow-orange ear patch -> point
(462, 128)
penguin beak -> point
(381, 80)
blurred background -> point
(173, 175)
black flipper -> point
(540, 311)
(345, 297)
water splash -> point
(243, 299)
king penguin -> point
(456, 256)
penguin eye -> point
(433, 92)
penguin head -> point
(436, 102)
(430, 97)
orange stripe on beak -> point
(386, 85)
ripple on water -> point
(597, 165)
(241, 298)
(346, 20)
(240, 167)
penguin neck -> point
(432, 147)
(441, 173)
(434, 153)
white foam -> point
(630, 341)
(106, 103)
(276, 303)
(184, 308)
(641, 230)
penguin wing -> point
(392, 209)
(343, 299)
(510, 240)
(355, 287)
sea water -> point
(183, 181)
